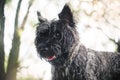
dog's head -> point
(55, 38)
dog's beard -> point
(60, 60)
(54, 54)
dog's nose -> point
(44, 48)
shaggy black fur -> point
(57, 42)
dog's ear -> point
(66, 15)
(40, 18)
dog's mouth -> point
(51, 58)
(49, 54)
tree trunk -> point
(14, 53)
(2, 54)
(13, 63)
(13, 58)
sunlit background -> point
(98, 22)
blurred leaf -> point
(8, 1)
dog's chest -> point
(69, 72)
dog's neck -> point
(76, 49)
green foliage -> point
(8, 1)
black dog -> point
(57, 42)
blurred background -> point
(98, 22)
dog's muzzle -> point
(49, 52)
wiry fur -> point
(57, 41)
(89, 65)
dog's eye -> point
(58, 35)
